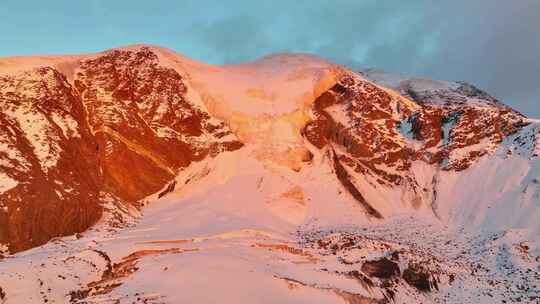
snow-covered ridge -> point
(431, 91)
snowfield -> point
(237, 230)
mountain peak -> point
(129, 168)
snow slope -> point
(236, 219)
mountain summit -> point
(138, 175)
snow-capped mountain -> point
(110, 128)
(137, 175)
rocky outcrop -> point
(419, 279)
(362, 120)
(119, 131)
(51, 154)
(145, 125)
(383, 268)
(377, 133)
(457, 123)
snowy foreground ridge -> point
(137, 175)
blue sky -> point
(494, 44)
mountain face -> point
(118, 131)
(140, 176)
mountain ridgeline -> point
(79, 133)
(124, 172)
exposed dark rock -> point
(169, 189)
(383, 268)
(418, 278)
(345, 180)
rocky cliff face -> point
(378, 133)
(146, 126)
(49, 154)
(455, 116)
(119, 130)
